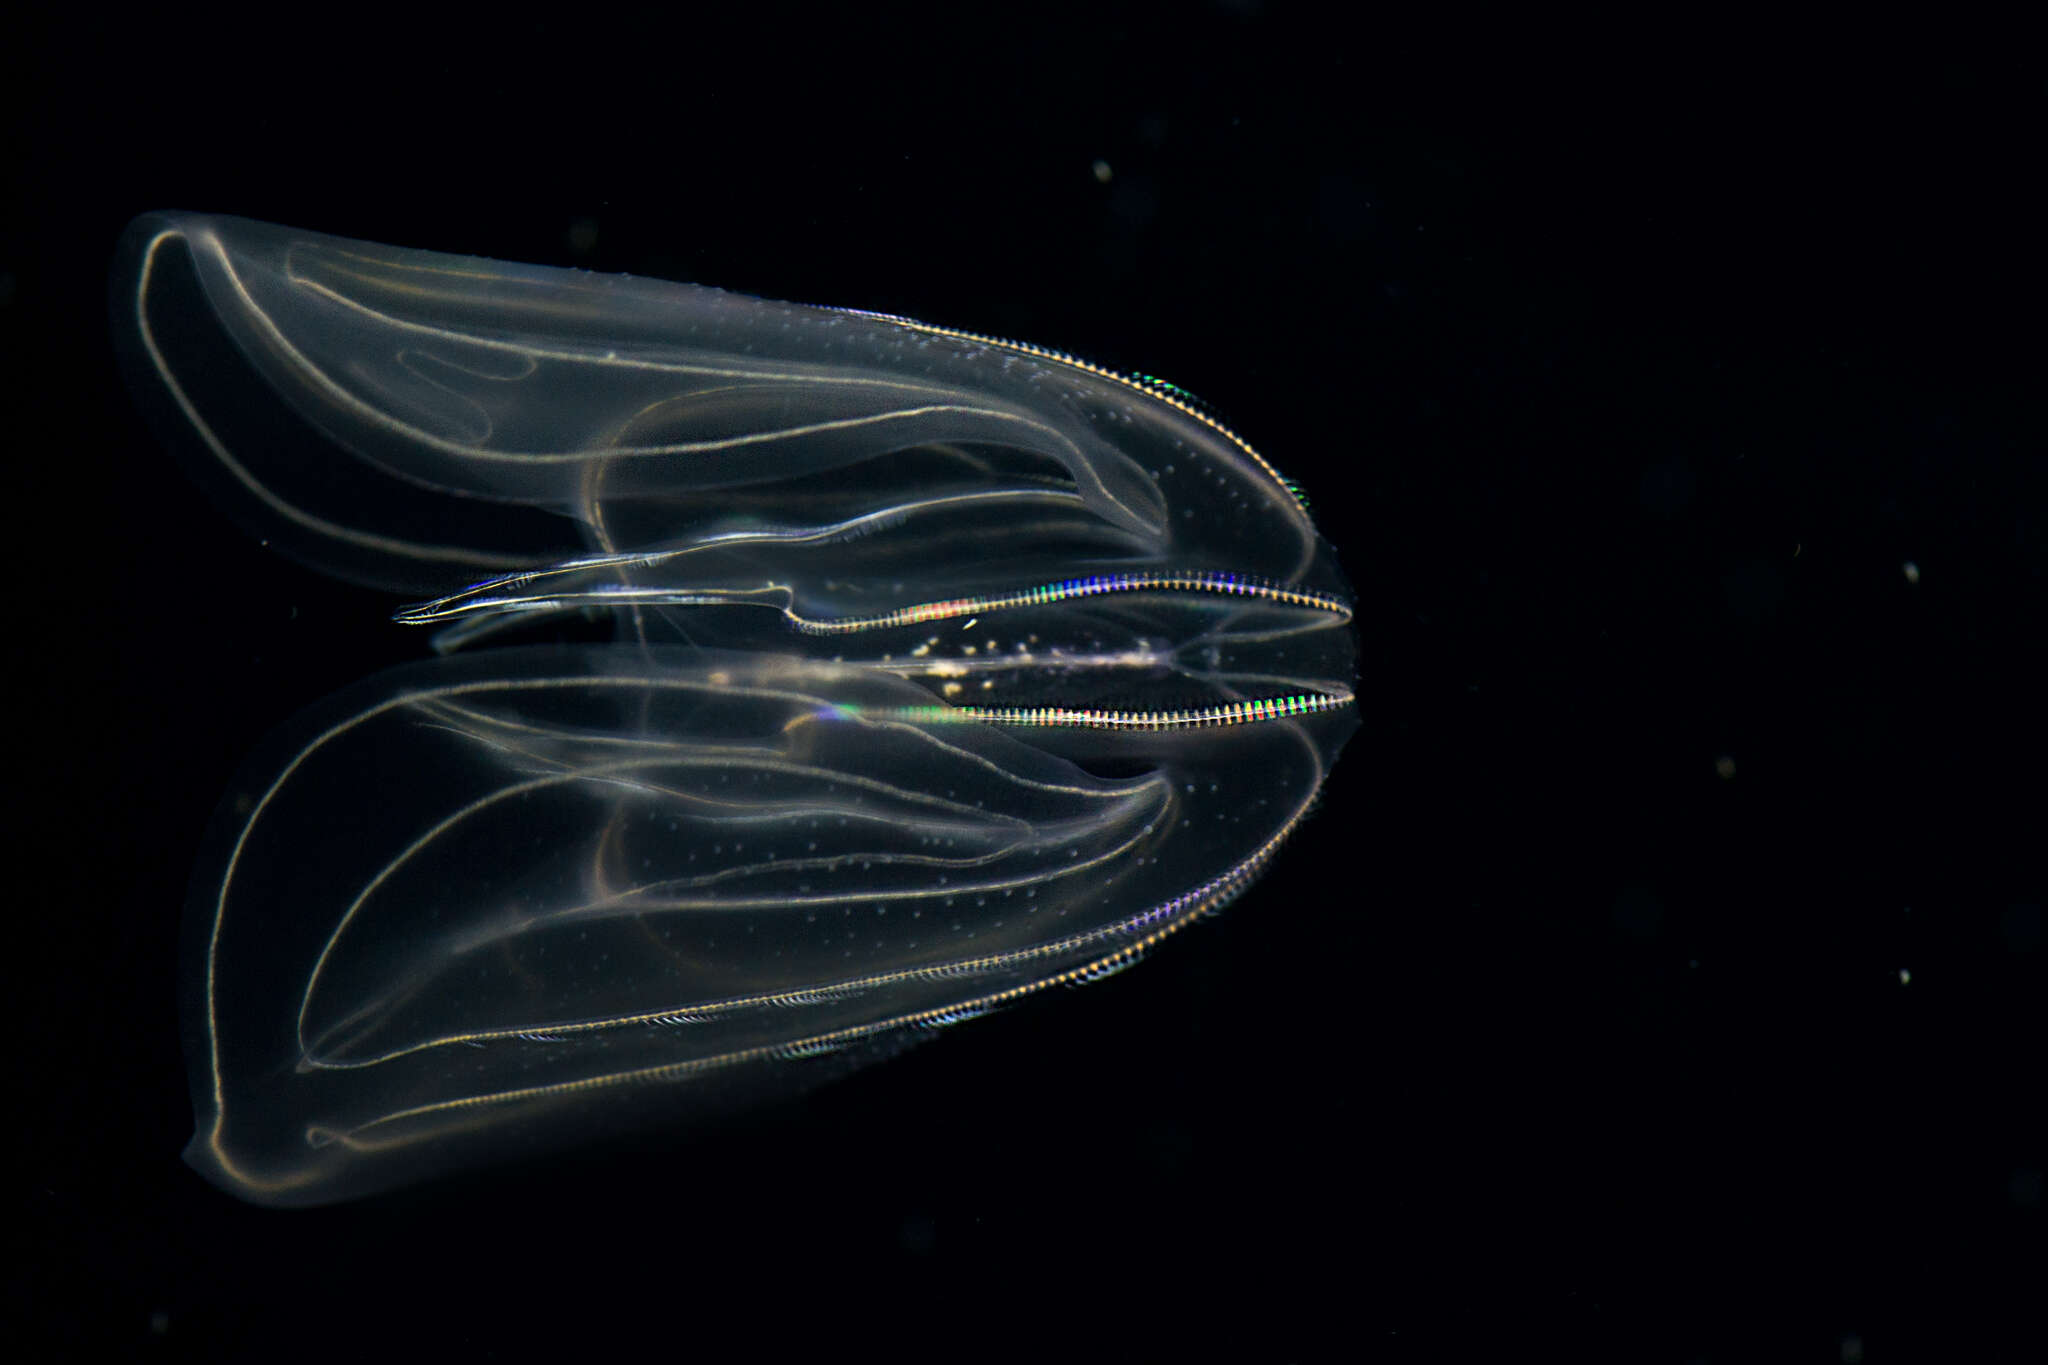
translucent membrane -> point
(947, 669)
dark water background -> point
(1657, 979)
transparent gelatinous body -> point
(946, 669)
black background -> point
(1628, 370)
